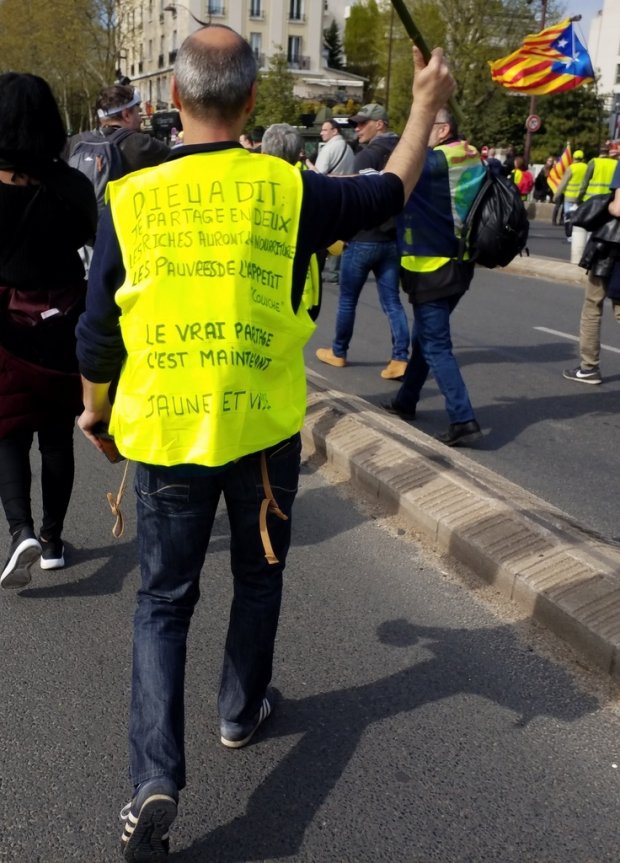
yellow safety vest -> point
(214, 366)
(577, 173)
(601, 178)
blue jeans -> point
(175, 518)
(358, 260)
(432, 351)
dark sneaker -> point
(147, 818)
(52, 553)
(460, 434)
(25, 550)
(235, 735)
(392, 408)
(584, 376)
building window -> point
(255, 9)
(617, 74)
(296, 10)
(294, 51)
(256, 44)
(215, 7)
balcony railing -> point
(216, 9)
(299, 63)
(257, 14)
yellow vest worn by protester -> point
(601, 178)
(214, 366)
(573, 186)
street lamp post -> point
(528, 133)
(172, 7)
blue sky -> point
(587, 9)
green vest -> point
(602, 176)
(577, 173)
(214, 366)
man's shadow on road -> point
(331, 724)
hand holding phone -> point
(100, 431)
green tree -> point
(333, 44)
(275, 102)
(70, 43)
(365, 45)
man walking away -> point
(371, 251)
(200, 310)
(434, 278)
(588, 371)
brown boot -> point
(395, 370)
(326, 355)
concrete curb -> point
(546, 268)
(557, 572)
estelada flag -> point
(559, 169)
(551, 61)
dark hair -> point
(32, 133)
(215, 81)
(257, 134)
(114, 96)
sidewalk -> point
(559, 573)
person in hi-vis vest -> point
(195, 304)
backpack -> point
(496, 228)
(99, 157)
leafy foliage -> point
(472, 32)
(275, 102)
(333, 44)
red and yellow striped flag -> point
(551, 61)
(559, 169)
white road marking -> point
(574, 338)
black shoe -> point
(392, 408)
(234, 735)
(147, 818)
(52, 554)
(25, 550)
(460, 433)
(584, 376)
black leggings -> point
(57, 470)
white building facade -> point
(604, 50)
(152, 30)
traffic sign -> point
(533, 123)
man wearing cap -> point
(570, 187)
(371, 251)
(118, 107)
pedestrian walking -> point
(47, 211)
(195, 298)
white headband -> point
(135, 100)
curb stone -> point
(557, 572)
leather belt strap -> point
(269, 504)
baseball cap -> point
(372, 111)
(578, 154)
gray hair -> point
(284, 141)
(214, 81)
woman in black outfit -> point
(47, 212)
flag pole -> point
(528, 135)
(418, 40)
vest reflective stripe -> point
(577, 173)
(214, 366)
(312, 287)
(601, 177)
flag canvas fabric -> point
(552, 61)
(559, 169)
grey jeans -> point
(590, 324)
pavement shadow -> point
(119, 559)
(330, 725)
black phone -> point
(100, 431)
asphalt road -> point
(513, 337)
(416, 723)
